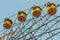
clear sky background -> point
(10, 7)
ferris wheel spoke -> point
(32, 25)
(23, 26)
(41, 26)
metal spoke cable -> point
(40, 26)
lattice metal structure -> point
(32, 24)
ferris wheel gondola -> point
(36, 11)
(7, 23)
(51, 9)
(22, 16)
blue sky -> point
(10, 7)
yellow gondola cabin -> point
(36, 11)
(51, 9)
(22, 16)
(7, 23)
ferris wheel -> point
(39, 25)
